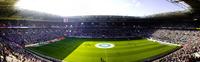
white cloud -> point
(137, 4)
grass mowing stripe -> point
(122, 47)
(138, 45)
(138, 50)
(139, 57)
(152, 53)
(127, 45)
(54, 49)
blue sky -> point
(100, 7)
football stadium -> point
(99, 31)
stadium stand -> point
(16, 34)
(182, 30)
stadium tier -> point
(100, 40)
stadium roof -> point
(195, 5)
(102, 7)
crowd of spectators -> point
(188, 39)
(13, 41)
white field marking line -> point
(39, 55)
(167, 43)
(42, 43)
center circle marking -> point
(104, 45)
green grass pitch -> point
(84, 50)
